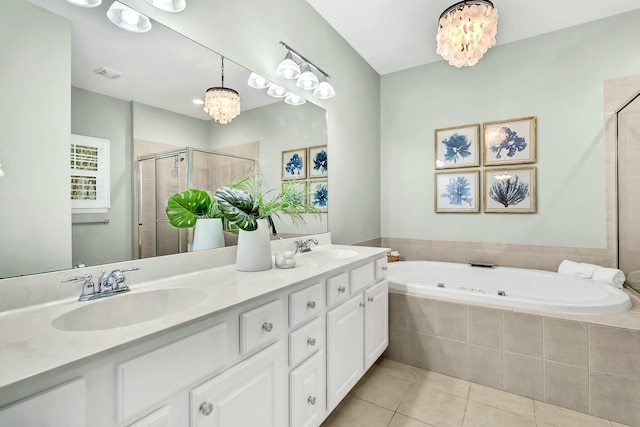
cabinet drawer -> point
(307, 393)
(337, 288)
(147, 379)
(159, 418)
(381, 268)
(361, 277)
(260, 326)
(305, 304)
(305, 341)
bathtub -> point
(510, 287)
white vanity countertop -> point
(30, 346)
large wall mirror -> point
(148, 112)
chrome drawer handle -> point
(384, 268)
(311, 341)
(361, 304)
(312, 400)
(206, 409)
(370, 299)
(342, 289)
(267, 326)
(311, 304)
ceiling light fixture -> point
(221, 103)
(307, 80)
(293, 99)
(172, 6)
(256, 81)
(466, 31)
(277, 91)
(85, 3)
(288, 68)
(128, 19)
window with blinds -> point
(89, 174)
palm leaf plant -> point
(184, 209)
(243, 202)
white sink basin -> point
(335, 254)
(128, 309)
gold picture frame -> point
(457, 192)
(509, 142)
(511, 190)
(457, 147)
(294, 164)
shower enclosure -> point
(161, 175)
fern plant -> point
(243, 202)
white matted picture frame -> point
(457, 192)
(318, 162)
(294, 164)
(510, 190)
(509, 142)
(319, 194)
(301, 189)
(457, 147)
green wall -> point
(36, 207)
(557, 77)
(109, 118)
(248, 33)
(158, 125)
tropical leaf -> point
(184, 209)
(238, 207)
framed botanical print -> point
(318, 162)
(294, 164)
(509, 142)
(319, 195)
(510, 190)
(457, 192)
(457, 147)
(299, 194)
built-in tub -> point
(512, 287)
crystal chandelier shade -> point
(221, 103)
(466, 31)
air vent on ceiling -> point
(109, 73)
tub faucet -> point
(302, 246)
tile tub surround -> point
(393, 394)
(589, 364)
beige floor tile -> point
(397, 369)
(502, 400)
(480, 415)
(382, 389)
(561, 417)
(442, 382)
(358, 413)
(432, 406)
(400, 420)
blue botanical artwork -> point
(294, 164)
(509, 144)
(320, 161)
(458, 147)
(319, 195)
(459, 191)
(509, 191)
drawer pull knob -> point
(361, 304)
(267, 326)
(312, 400)
(311, 341)
(370, 299)
(311, 304)
(342, 289)
(384, 268)
(206, 409)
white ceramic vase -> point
(208, 234)
(254, 249)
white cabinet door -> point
(345, 349)
(307, 392)
(64, 405)
(376, 329)
(250, 394)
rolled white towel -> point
(611, 276)
(578, 269)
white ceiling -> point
(393, 35)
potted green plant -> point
(244, 205)
(196, 208)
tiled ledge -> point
(590, 364)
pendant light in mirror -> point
(85, 3)
(128, 19)
(256, 81)
(277, 91)
(221, 103)
(293, 99)
(172, 6)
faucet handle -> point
(86, 277)
(88, 288)
(116, 277)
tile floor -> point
(392, 394)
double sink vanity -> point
(212, 347)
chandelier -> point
(466, 31)
(221, 103)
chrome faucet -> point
(108, 284)
(302, 246)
